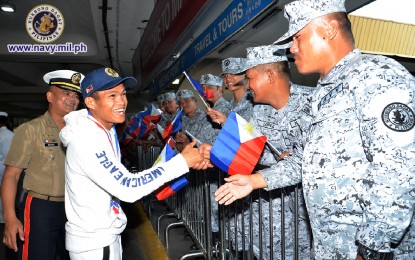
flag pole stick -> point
(273, 149)
(191, 136)
(278, 154)
(203, 100)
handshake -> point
(197, 158)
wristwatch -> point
(369, 254)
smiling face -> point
(62, 101)
(234, 82)
(259, 84)
(108, 106)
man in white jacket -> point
(95, 178)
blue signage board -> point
(232, 19)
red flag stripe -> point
(250, 149)
(165, 193)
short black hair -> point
(344, 24)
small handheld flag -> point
(238, 146)
(152, 114)
(174, 126)
(196, 85)
(173, 186)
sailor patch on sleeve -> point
(398, 117)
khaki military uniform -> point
(36, 147)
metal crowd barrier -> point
(249, 219)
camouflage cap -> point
(264, 54)
(169, 96)
(300, 13)
(160, 98)
(210, 79)
(184, 93)
(233, 66)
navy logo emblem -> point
(112, 73)
(76, 78)
(44, 23)
(398, 117)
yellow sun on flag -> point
(249, 128)
(154, 112)
(157, 160)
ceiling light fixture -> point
(7, 7)
(176, 82)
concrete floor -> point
(180, 243)
(140, 241)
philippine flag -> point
(133, 128)
(196, 85)
(136, 128)
(173, 186)
(152, 114)
(174, 126)
(238, 146)
(145, 129)
(170, 141)
(141, 124)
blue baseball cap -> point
(102, 79)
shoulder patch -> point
(398, 117)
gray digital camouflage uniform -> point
(358, 169)
(202, 129)
(284, 129)
(244, 107)
(223, 106)
(198, 126)
(166, 117)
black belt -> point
(46, 197)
